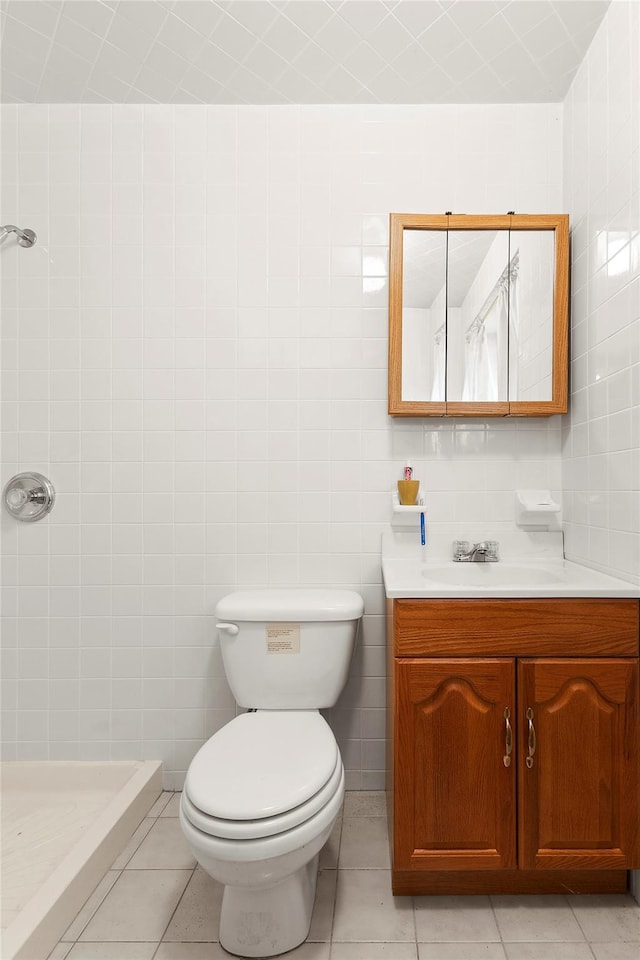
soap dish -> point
(535, 508)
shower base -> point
(63, 825)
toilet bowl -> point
(262, 795)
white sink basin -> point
(531, 565)
(490, 575)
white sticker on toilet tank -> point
(283, 638)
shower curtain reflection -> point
(439, 364)
(483, 347)
(490, 338)
(514, 331)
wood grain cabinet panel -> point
(579, 776)
(513, 773)
(456, 799)
(594, 627)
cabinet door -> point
(578, 764)
(454, 793)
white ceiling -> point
(424, 263)
(293, 51)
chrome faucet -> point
(484, 552)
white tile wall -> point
(195, 353)
(601, 457)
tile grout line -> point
(415, 924)
(94, 911)
(582, 930)
(175, 909)
(193, 870)
(495, 920)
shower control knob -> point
(27, 238)
(17, 498)
(29, 496)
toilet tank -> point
(292, 648)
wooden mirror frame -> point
(559, 223)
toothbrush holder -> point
(408, 492)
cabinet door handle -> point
(508, 738)
(532, 738)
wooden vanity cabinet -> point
(513, 752)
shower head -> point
(26, 237)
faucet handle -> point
(492, 549)
(460, 548)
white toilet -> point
(262, 795)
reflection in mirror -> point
(423, 314)
(470, 299)
(531, 317)
(478, 315)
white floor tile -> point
(160, 803)
(365, 803)
(373, 951)
(461, 951)
(532, 918)
(163, 848)
(172, 809)
(364, 844)
(607, 918)
(191, 951)
(198, 914)
(548, 951)
(616, 951)
(138, 906)
(443, 919)
(112, 951)
(60, 951)
(309, 951)
(322, 916)
(367, 910)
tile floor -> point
(156, 904)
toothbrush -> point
(423, 538)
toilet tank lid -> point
(296, 605)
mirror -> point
(478, 315)
(424, 307)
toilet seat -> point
(262, 773)
(295, 845)
(267, 826)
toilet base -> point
(268, 920)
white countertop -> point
(532, 567)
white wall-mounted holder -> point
(406, 508)
(535, 508)
(405, 515)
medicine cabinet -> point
(478, 315)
